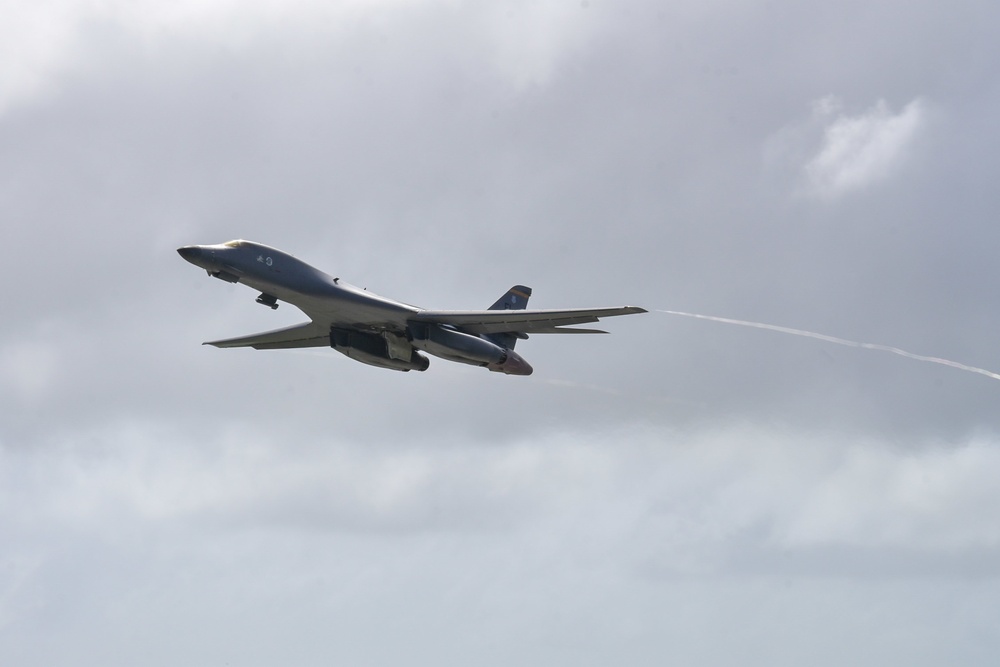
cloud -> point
(143, 525)
(934, 498)
(35, 41)
(858, 151)
(27, 369)
(40, 43)
(530, 40)
(688, 502)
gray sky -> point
(680, 491)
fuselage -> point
(285, 277)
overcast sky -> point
(681, 491)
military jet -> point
(376, 330)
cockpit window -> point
(233, 244)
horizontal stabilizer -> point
(308, 334)
(569, 330)
(524, 321)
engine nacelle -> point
(455, 345)
(372, 349)
(467, 349)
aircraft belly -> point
(356, 313)
(337, 305)
(274, 288)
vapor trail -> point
(838, 341)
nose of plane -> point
(190, 252)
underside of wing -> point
(308, 334)
(522, 321)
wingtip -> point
(635, 310)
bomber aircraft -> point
(379, 331)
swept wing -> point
(317, 332)
(309, 334)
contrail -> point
(839, 341)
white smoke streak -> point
(838, 341)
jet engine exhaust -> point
(838, 341)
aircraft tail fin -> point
(516, 298)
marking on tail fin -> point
(516, 298)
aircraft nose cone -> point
(190, 252)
